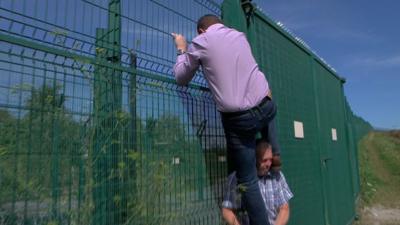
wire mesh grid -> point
(94, 128)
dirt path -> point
(379, 215)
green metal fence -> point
(94, 130)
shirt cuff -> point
(227, 204)
(181, 57)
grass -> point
(379, 157)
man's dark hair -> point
(206, 21)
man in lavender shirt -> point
(241, 93)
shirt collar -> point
(269, 175)
(214, 27)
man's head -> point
(264, 157)
(206, 21)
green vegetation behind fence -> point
(94, 130)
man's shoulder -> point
(283, 188)
(218, 31)
(277, 174)
(200, 40)
(282, 177)
(278, 180)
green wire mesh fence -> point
(94, 130)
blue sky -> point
(361, 40)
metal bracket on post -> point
(202, 127)
(248, 9)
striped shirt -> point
(274, 190)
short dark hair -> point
(206, 21)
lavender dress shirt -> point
(229, 67)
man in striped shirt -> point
(274, 190)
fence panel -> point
(96, 130)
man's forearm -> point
(283, 215)
(230, 217)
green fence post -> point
(132, 134)
(108, 158)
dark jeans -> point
(240, 131)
